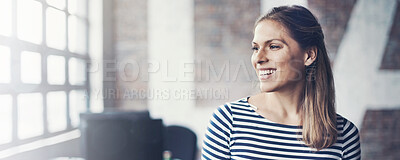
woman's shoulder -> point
(240, 104)
(349, 137)
(345, 126)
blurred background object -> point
(180, 142)
(178, 60)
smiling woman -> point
(294, 116)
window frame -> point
(16, 87)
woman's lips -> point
(265, 74)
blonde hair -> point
(318, 102)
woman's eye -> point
(274, 47)
(254, 48)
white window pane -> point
(30, 115)
(31, 67)
(5, 64)
(56, 111)
(76, 71)
(56, 70)
(60, 4)
(77, 38)
(29, 21)
(77, 104)
(55, 29)
(77, 7)
(5, 17)
(5, 118)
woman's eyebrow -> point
(269, 41)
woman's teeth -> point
(266, 72)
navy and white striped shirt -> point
(236, 131)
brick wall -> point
(391, 58)
(130, 47)
(223, 34)
(380, 135)
(333, 17)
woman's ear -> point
(310, 56)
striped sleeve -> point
(217, 137)
(351, 142)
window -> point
(43, 71)
(31, 71)
(30, 115)
(5, 17)
(5, 119)
(57, 111)
(5, 62)
(55, 28)
(29, 21)
(56, 70)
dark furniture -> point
(121, 136)
(181, 142)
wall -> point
(359, 82)
(380, 134)
(130, 45)
(223, 34)
(171, 42)
(333, 18)
(391, 59)
(169, 39)
(367, 76)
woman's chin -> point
(267, 87)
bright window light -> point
(30, 115)
(29, 21)
(5, 118)
(57, 111)
(5, 64)
(56, 70)
(77, 39)
(77, 7)
(31, 67)
(77, 71)
(45, 142)
(55, 29)
(5, 17)
(60, 4)
(77, 105)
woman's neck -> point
(285, 102)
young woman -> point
(294, 116)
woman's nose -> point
(262, 56)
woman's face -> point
(277, 58)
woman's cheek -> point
(253, 60)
